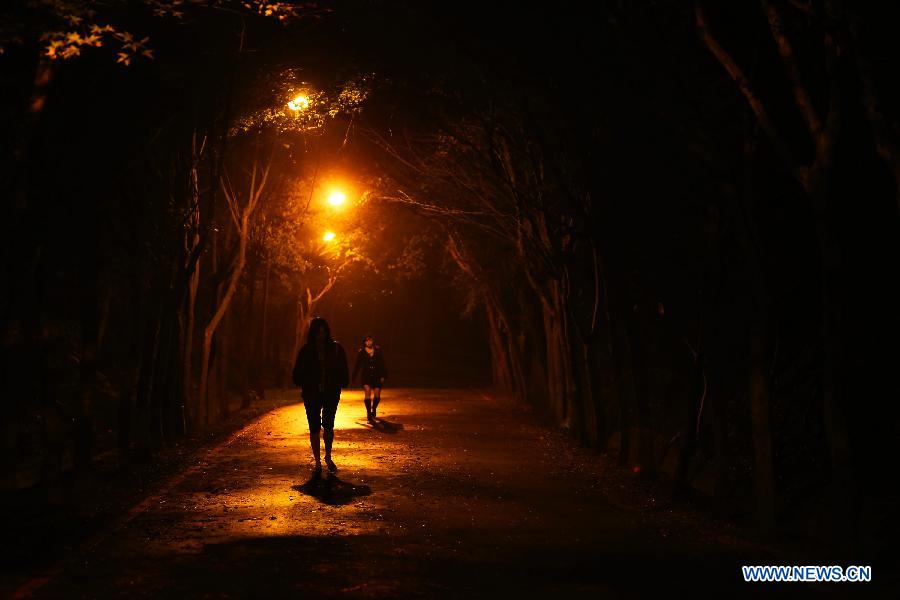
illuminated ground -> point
(455, 495)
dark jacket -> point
(364, 362)
(308, 373)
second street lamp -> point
(299, 103)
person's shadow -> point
(331, 490)
(385, 426)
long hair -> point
(362, 345)
(314, 326)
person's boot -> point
(368, 409)
(375, 407)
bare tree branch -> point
(885, 145)
(756, 105)
(789, 60)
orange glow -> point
(337, 198)
(301, 102)
(329, 236)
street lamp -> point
(337, 198)
(300, 102)
(329, 236)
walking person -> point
(370, 364)
(321, 371)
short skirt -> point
(371, 380)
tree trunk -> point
(555, 370)
(759, 366)
(584, 373)
(250, 361)
(300, 327)
(193, 408)
(213, 324)
(640, 374)
(242, 217)
(764, 472)
(264, 354)
(501, 374)
(618, 349)
(211, 327)
(514, 352)
(507, 363)
(222, 389)
(146, 382)
(844, 517)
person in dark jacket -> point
(370, 364)
(321, 371)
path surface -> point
(454, 495)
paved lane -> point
(455, 494)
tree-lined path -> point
(454, 494)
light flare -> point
(337, 198)
(299, 103)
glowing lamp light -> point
(337, 198)
(328, 237)
(301, 102)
